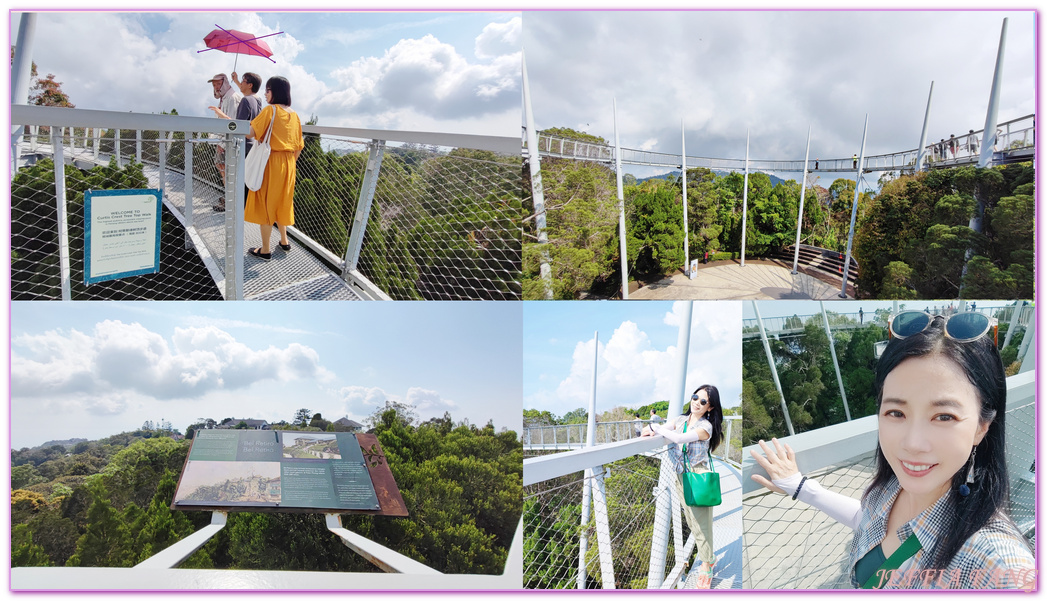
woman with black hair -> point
(934, 515)
(274, 200)
(693, 435)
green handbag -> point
(700, 490)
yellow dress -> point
(274, 201)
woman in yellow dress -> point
(274, 201)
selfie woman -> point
(934, 515)
(693, 435)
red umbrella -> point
(238, 42)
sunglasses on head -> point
(961, 327)
(702, 402)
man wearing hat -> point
(229, 99)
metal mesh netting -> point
(553, 531)
(35, 265)
(791, 545)
(442, 226)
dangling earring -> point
(965, 488)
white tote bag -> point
(254, 166)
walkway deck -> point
(755, 281)
(293, 275)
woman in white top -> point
(692, 435)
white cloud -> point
(428, 401)
(499, 39)
(105, 368)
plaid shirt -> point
(697, 452)
(994, 557)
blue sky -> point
(95, 369)
(637, 352)
(453, 72)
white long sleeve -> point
(676, 437)
(843, 509)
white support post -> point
(1028, 363)
(587, 487)
(989, 133)
(836, 364)
(385, 558)
(1012, 323)
(667, 506)
(774, 370)
(621, 204)
(138, 146)
(63, 218)
(922, 148)
(537, 192)
(188, 168)
(97, 146)
(174, 555)
(116, 149)
(803, 189)
(683, 174)
(745, 195)
(21, 73)
(234, 217)
(603, 529)
(161, 182)
(854, 210)
(363, 205)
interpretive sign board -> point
(277, 470)
(121, 234)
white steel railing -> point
(436, 219)
(157, 573)
(628, 484)
(573, 436)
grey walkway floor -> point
(755, 281)
(727, 534)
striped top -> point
(697, 452)
(994, 557)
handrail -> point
(24, 114)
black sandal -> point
(285, 247)
(257, 252)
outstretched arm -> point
(780, 464)
(672, 435)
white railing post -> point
(621, 205)
(683, 174)
(97, 146)
(854, 210)
(583, 540)
(162, 149)
(116, 149)
(537, 192)
(363, 205)
(603, 529)
(62, 216)
(234, 217)
(138, 146)
(803, 189)
(836, 363)
(745, 195)
(188, 179)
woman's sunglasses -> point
(961, 327)
(702, 402)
